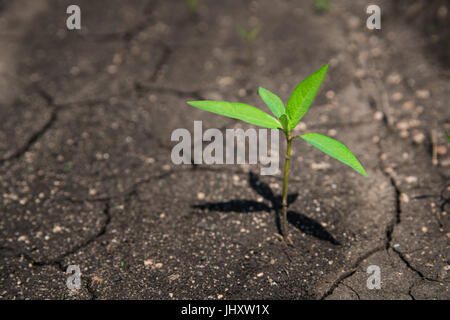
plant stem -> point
(287, 163)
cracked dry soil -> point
(86, 177)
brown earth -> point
(86, 176)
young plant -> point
(192, 5)
(321, 6)
(286, 120)
(249, 35)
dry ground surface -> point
(86, 177)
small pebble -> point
(411, 179)
(112, 69)
(320, 166)
(423, 94)
(441, 150)
(394, 78)
(174, 277)
(419, 138)
(408, 105)
(57, 229)
(330, 94)
(97, 279)
(148, 262)
(242, 93)
(397, 96)
(404, 197)
(378, 115)
(200, 196)
(402, 125)
(225, 81)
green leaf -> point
(248, 35)
(303, 96)
(334, 149)
(240, 111)
(242, 31)
(254, 33)
(284, 120)
(273, 102)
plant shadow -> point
(298, 220)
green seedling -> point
(286, 119)
(192, 5)
(250, 34)
(321, 6)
